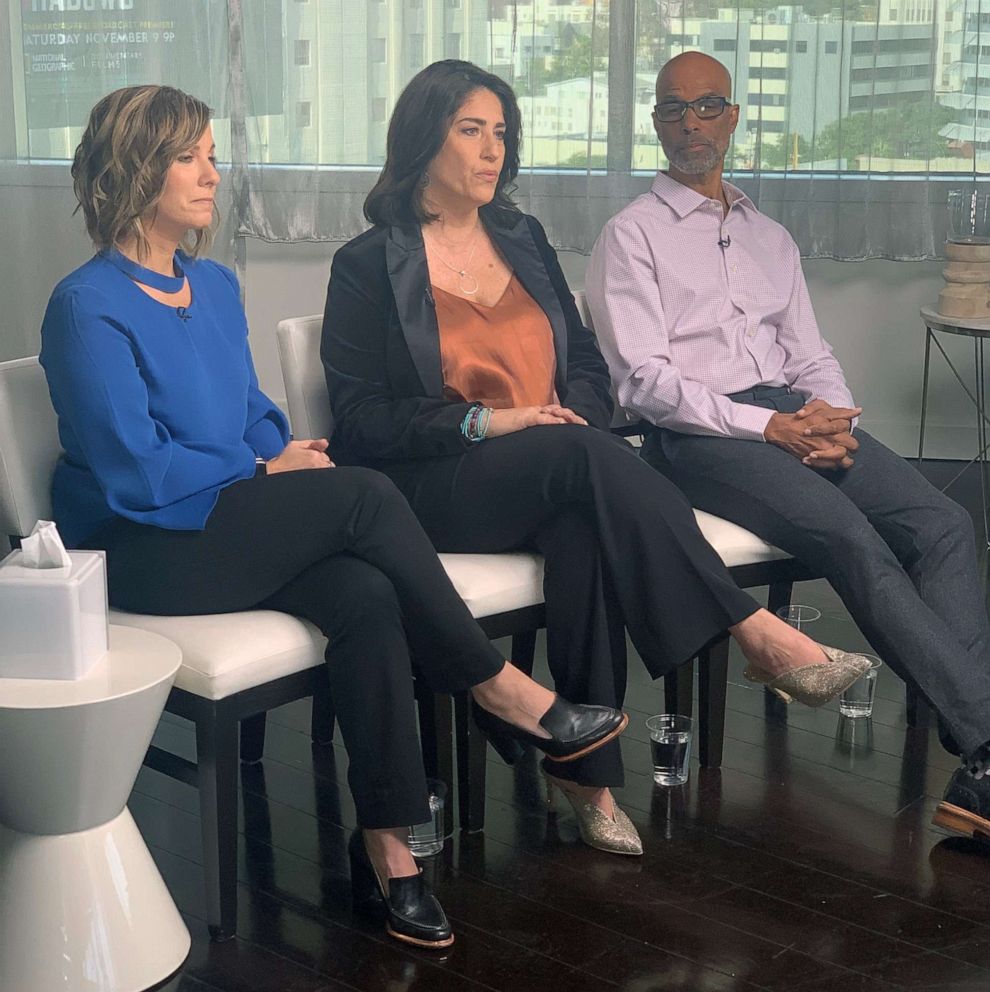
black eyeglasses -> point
(705, 107)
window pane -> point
(556, 58)
(888, 88)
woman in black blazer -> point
(409, 393)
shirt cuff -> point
(749, 422)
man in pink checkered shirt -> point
(703, 314)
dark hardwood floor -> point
(807, 862)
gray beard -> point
(697, 163)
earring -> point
(424, 180)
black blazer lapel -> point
(405, 258)
(520, 251)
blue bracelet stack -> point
(474, 426)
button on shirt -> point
(683, 321)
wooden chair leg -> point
(678, 689)
(472, 756)
(713, 673)
(779, 595)
(324, 716)
(253, 738)
(918, 710)
(216, 758)
(523, 650)
(437, 740)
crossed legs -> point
(899, 553)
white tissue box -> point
(53, 621)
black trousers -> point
(341, 548)
(900, 553)
(622, 548)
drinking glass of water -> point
(426, 839)
(857, 700)
(670, 741)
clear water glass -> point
(426, 839)
(857, 701)
(670, 742)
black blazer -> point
(381, 343)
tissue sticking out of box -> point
(43, 547)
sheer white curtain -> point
(856, 118)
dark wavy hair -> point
(133, 136)
(416, 133)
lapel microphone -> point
(724, 243)
(183, 312)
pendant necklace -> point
(469, 288)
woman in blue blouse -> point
(181, 469)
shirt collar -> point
(684, 200)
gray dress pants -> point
(899, 553)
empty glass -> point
(799, 616)
(426, 839)
(857, 700)
(969, 217)
(670, 741)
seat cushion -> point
(223, 653)
(491, 584)
(734, 544)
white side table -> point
(979, 331)
(82, 905)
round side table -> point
(83, 907)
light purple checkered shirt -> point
(682, 321)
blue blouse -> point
(158, 407)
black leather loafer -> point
(574, 729)
(412, 913)
(965, 806)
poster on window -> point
(75, 51)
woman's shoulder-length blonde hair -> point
(133, 136)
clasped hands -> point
(299, 455)
(819, 434)
(518, 418)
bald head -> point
(695, 118)
(691, 70)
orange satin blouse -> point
(500, 356)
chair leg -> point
(437, 740)
(216, 758)
(324, 716)
(253, 738)
(713, 673)
(472, 757)
(523, 650)
(779, 595)
(918, 710)
(678, 687)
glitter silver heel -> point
(814, 685)
(598, 830)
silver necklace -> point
(470, 288)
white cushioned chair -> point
(751, 562)
(235, 666)
(504, 592)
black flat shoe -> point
(965, 806)
(411, 912)
(575, 730)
